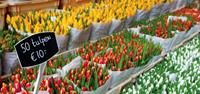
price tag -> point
(36, 49)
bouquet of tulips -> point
(8, 40)
(19, 81)
(60, 61)
(22, 81)
(88, 51)
(57, 86)
(90, 77)
(189, 12)
(143, 9)
(79, 24)
(39, 21)
(56, 65)
(164, 28)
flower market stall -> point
(105, 47)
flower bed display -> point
(125, 60)
(134, 56)
(80, 17)
(126, 48)
(108, 61)
(178, 73)
(76, 25)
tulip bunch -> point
(163, 28)
(88, 76)
(89, 50)
(8, 40)
(39, 21)
(22, 81)
(178, 73)
(127, 51)
(19, 81)
(189, 12)
(57, 86)
(59, 62)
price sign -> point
(36, 49)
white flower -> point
(164, 92)
(181, 82)
(172, 77)
(124, 90)
(130, 90)
(53, 18)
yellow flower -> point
(21, 27)
(28, 27)
(8, 19)
(14, 25)
(57, 31)
(66, 31)
(81, 17)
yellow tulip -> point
(57, 31)
(21, 27)
(8, 19)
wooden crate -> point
(3, 11)
(20, 7)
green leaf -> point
(96, 84)
(120, 65)
(87, 85)
(83, 81)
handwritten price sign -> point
(36, 49)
